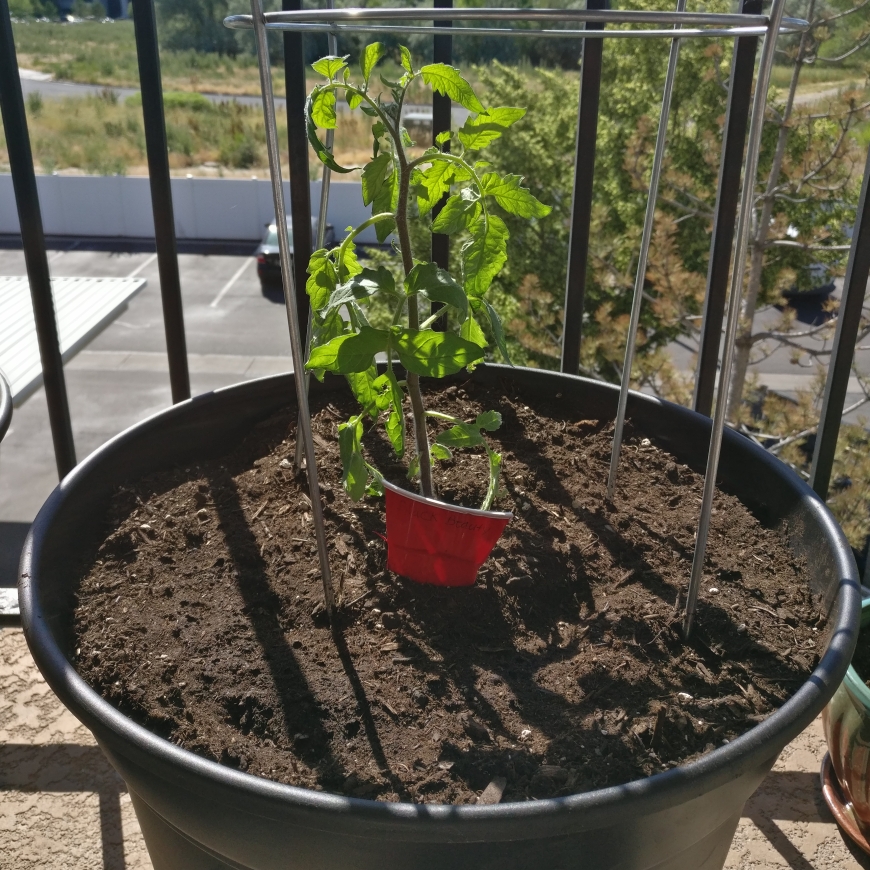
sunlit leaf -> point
(406, 59)
(323, 110)
(321, 279)
(330, 66)
(439, 451)
(484, 255)
(320, 149)
(370, 56)
(471, 331)
(433, 354)
(513, 198)
(461, 435)
(352, 352)
(362, 386)
(447, 80)
(373, 176)
(489, 420)
(457, 215)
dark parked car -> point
(268, 263)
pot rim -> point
(668, 788)
(446, 506)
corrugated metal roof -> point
(84, 306)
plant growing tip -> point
(395, 185)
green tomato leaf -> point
(471, 331)
(355, 472)
(330, 66)
(413, 467)
(373, 176)
(504, 116)
(433, 354)
(443, 137)
(370, 56)
(406, 59)
(391, 397)
(386, 199)
(355, 477)
(433, 183)
(497, 331)
(329, 327)
(489, 420)
(478, 132)
(484, 254)
(362, 384)
(439, 451)
(492, 492)
(349, 265)
(448, 81)
(436, 285)
(320, 149)
(351, 352)
(361, 286)
(321, 279)
(353, 100)
(513, 198)
(458, 214)
(461, 435)
(323, 110)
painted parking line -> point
(143, 265)
(226, 288)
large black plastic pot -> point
(196, 814)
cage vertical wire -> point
(633, 24)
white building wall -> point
(219, 209)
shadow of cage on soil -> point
(66, 767)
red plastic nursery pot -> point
(432, 542)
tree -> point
(810, 172)
(198, 25)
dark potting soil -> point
(561, 670)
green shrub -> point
(177, 100)
(239, 150)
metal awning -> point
(84, 307)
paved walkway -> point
(62, 807)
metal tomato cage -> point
(743, 128)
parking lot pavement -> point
(234, 333)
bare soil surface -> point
(561, 670)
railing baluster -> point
(734, 140)
(581, 208)
(145, 27)
(296, 133)
(848, 323)
(297, 153)
(441, 121)
(33, 239)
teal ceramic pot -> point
(846, 721)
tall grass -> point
(104, 53)
(102, 135)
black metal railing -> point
(721, 251)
